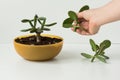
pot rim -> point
(49, 35)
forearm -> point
(110, 12)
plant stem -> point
(94, 57)
(38, 37)
(101, 50)
(97, 53)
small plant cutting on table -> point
(38, 46)
(73, 21)
(99, 51)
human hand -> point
(90, 22)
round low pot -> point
(38, 52)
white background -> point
(69, 64)
(13, 11)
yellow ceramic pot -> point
(38, 52)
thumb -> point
(80, 14)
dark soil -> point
(31, 40)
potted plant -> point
(38, 46)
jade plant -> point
(38, 30)
(73, 20)
(99, 50)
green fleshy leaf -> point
(35, 20)
(106, 57)
(43, 24)
(86, 55)
(25, 30)
(86, 7)
(67, 23)
(43, 21)
(48, 25)
(93, 45)
(31, 24)
(72, 15)
(39, 21)
(42, 18)
(32, 30)
(25, 20)
(97, 47)
(32, 20)
(46, 29)
(101, 58)
(106, 44)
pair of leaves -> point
(104, 45)
(34, 30)
(35, 19)
(40, 19)
(69, 21)
(38, 30)
(101, 58)
(33, 23)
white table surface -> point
(68, 65)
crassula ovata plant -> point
(99, 50)
(38, 30)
